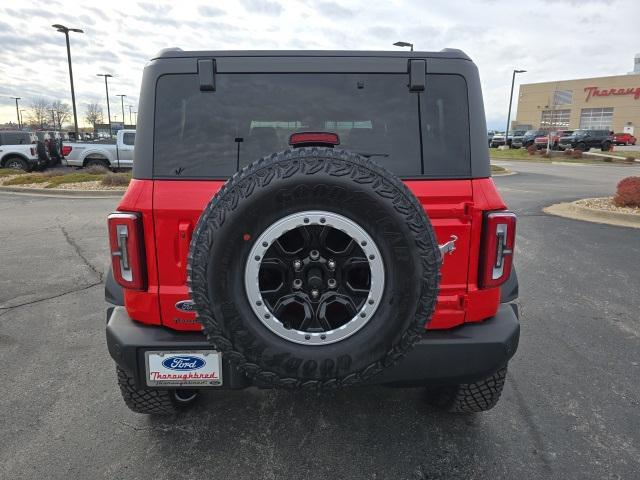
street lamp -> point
(106, 87)
(66, 30)
(22, 117)
(122, 104)
(404, 44)
(18, 112)
(506, 132)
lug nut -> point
(297, 284)
(314, 254)
(331, 282)
(315, 293)
(297, 265)
(331, 264)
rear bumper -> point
(461, 355)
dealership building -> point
(592, 103)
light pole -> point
(404, 44)
(66, 30)
(106, 87)
(506, 132)
(122, 104)
(22, 117)
(18, 112)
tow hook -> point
(448, 247)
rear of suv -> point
(311, 220)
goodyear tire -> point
(351, 306)
(154, 401)
(474, 397)
(17, 163)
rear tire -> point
(97, 162)
(606, 146)
(469, 397)
(582, 146)
(154, 402)
(17, 163)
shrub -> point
(77, 177)
(607, 159)
(5, 172)
(577, 153)
(96, 170)
(116, 180)
(53, 173)
(568, 152)
(628, 192)
(544, 154)
(629, 160)
(27, 179)
(531, 149)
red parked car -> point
(311, 244)
(624, 139)
(541, 142)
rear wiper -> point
(368, 155)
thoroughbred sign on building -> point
(592, 103)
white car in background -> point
(108, 155)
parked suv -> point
(530, 136)
(586, 139)
(352, 236)
(18, 150)
(542, 141)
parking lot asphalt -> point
(569, 409)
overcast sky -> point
(551, 39)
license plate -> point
(185, 368)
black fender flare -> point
(113, 293)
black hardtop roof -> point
(447, 53)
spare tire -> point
(313, 268)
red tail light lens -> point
(314, 138)
(66, 150)
(498, 243)
(127, 250)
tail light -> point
(498, 243)
(127, 250)
(66, 150)
(314, 138)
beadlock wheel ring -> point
(301, 220)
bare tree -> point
(39, 112)
(93, 114)
(61, 113)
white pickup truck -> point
(19, 151)
(109, 155)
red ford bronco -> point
(311, 220)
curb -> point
(579, 212)
(52, 192)
(504, 174)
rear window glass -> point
(213, 134)
(15, 138)
(129, 138)
(445, 127)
